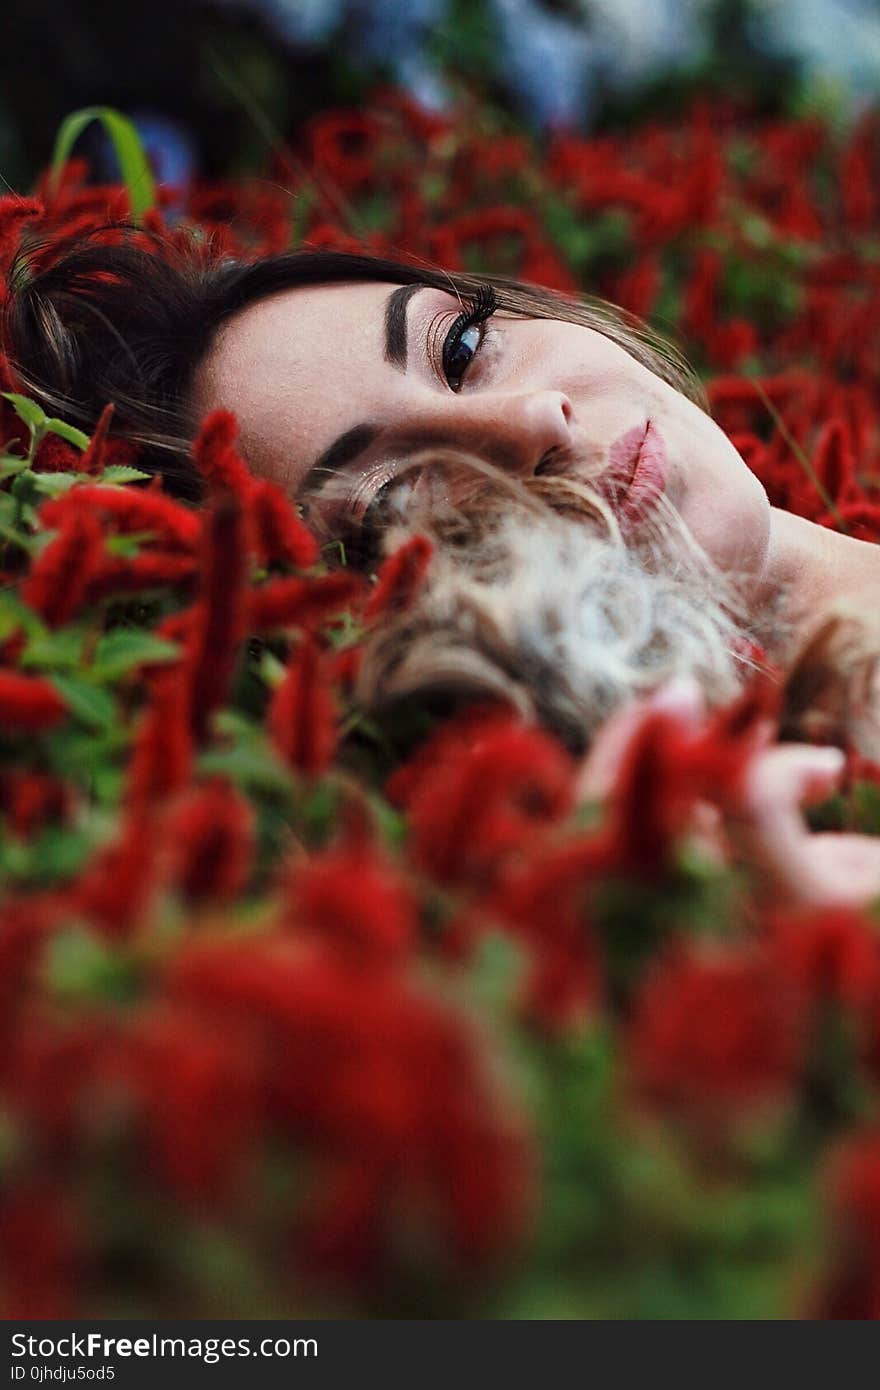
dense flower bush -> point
(288, 1030)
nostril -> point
(546, 462)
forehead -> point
(298, 368)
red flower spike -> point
(475, 809)
(29, 703)
(833, 461)
(41, 1245)
(29, 799)
(281, 537)
(26, 924)
(546, 904)
(400, 577)
(716, 1033)
(356, 902)
(94, 457)
(302, 602)
(115, 889)
(198, 1101)
(55, 455)
(151, 569)
(367, 1073)
(58, 583)
(832, 956)
(128, 510)
(850, 1289)
(14, 213)
(220, 612)
(161, 759)
(215, 456)
(302, 716)
(210, 837)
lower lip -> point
(643, 450)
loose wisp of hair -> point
(535, 598)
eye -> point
(462, 342)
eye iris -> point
(460, 353)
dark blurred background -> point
(212, 83)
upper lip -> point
(561, 462)
(637, 456)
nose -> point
(514, 431)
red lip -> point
(640, 455)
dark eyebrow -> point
(343, 450)
(395, 324)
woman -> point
(597, 532)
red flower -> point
(115, 888)
(711, 1032)
(55, 455)
(198, 1095)
(301, 602)
(151, 569)
(547, 903)
(371, 1077)
(210, 837)
(29, 799)
(59, 580)
(161, 759)
(479, 803)
(400, 577)
(219, 625)
(41, 1237)
(130, 510)
(29, 703)
(857, 176)
(281, 537)
(216, 458)
(850, 1289)
(26, 922)
(833, 461)
(302, 717)
(355, 901)
(832, 955)
(14, 213)
(94, 458)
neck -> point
(815, 570)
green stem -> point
(799, 455)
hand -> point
(799, 868)
(795, 866)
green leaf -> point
(26, 410)
(10, 465)
(54, 650)
(90, 704)
(55, 484)
(133, 163)
(78, 964)
(126, 648)
(123, 473)
(68, 432)
(127, 545)
(16, 537)
(14, 614)
(254, 767)
(56, 855)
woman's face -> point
(343, 378)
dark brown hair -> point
(130, 323)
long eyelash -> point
(476, 310)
